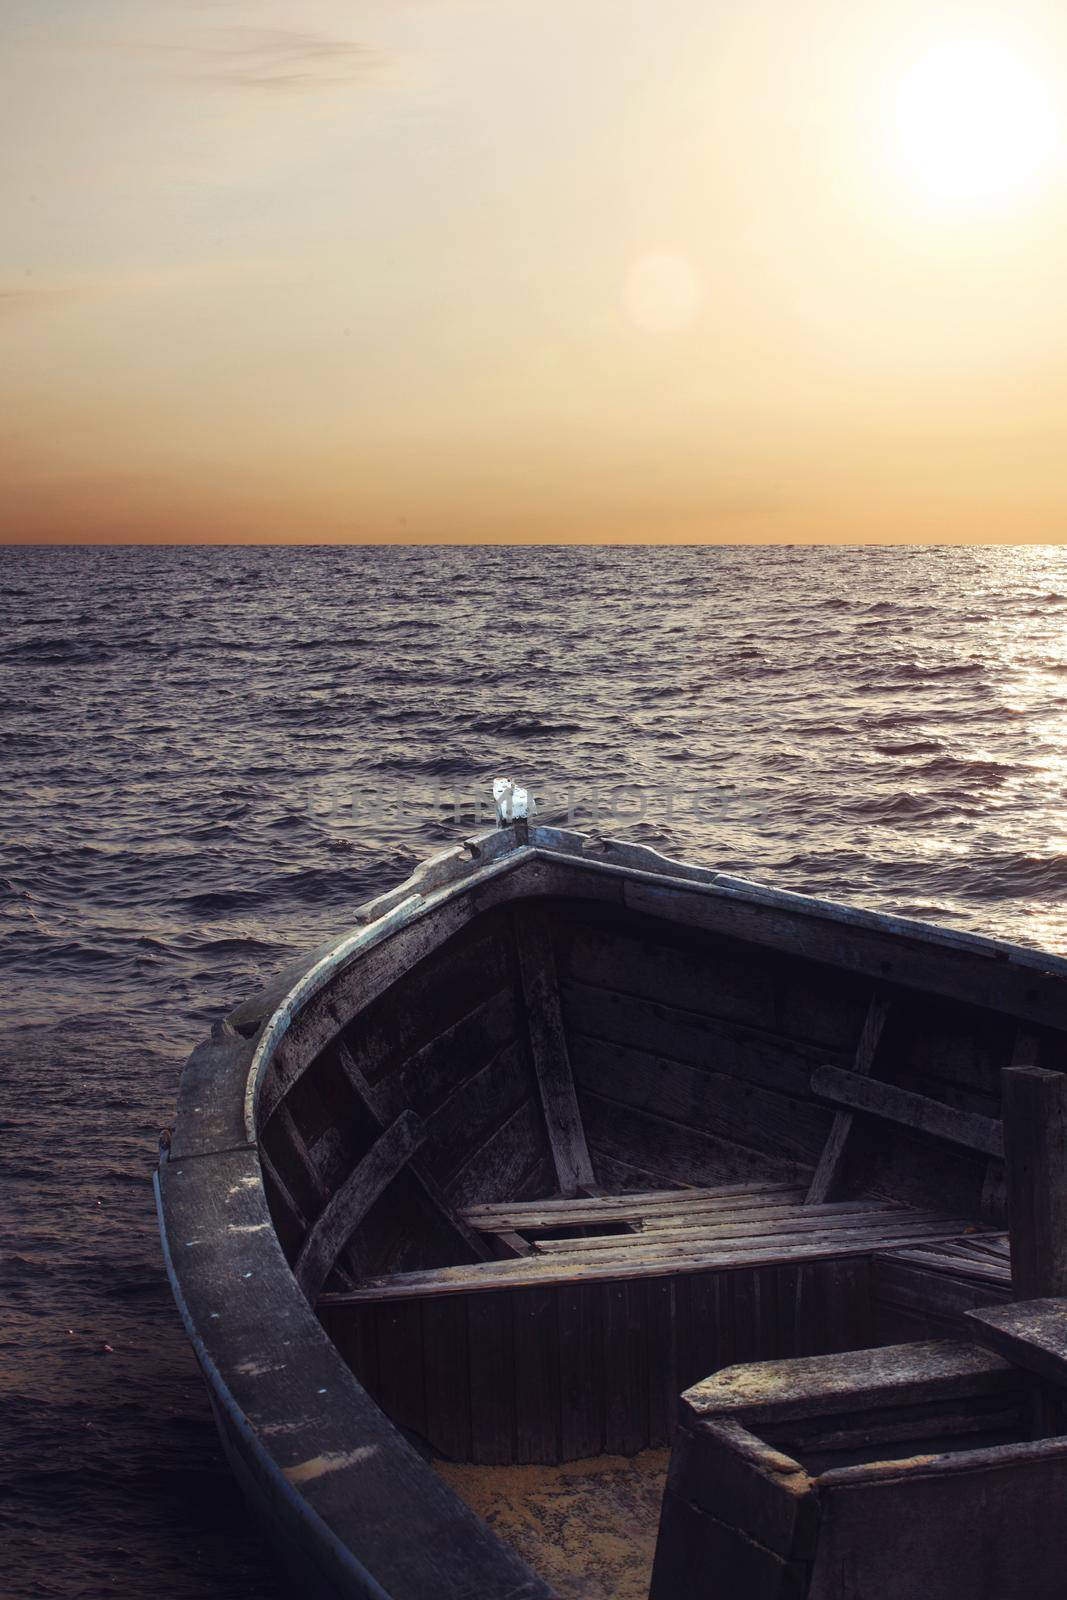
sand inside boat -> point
(588, 1527)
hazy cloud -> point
(32, 298)
(16, 298)
(279, 58)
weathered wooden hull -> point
(543, 1015)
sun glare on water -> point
(974, 125)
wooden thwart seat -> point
(669, 1232)
(1030, 1333)
(580, 1342)
(609, 1208)
(903, 1471)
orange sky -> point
(468, 270)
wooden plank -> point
(548, 1046)
(284, 1193)
(971, 1523)
(398, 1333)
(966, 1424)
(679, 1151)
(423, 1077)
(288, 1130)
(740, 1210)
(702, 1558)
(683, 1337)
(769, 1223)
(500, 1165)
(1026, 1050)
(843, 1236)
(610, 1265)
(417, 980)
(625, 1207)
(623, 1177)
(538, 1178)
(983, 1248)
(354, 1331)
(714, 982)
(581, 1344)
(663, 1383)
(321, 1105)
(491, 1375)
(746, 1055)
(712, 1329)
(811, 1386)
(463, 1083)
(788, 1283)
(833, 1306)
(374, 1100)
(886, 949)
(1030, 1333)
(446, 1358)
(626, 1408)
(302, 1155)
(701, 1098)
(290, 1223)
(956, 1265)
(693, 1242)
(1035, 1130)
(768, 1321)
(746, 1316)
(388, 1156)
(949, 1051)
(916, 1111)
(474, 1112)
(903, 1284)
(537, 1376)
(828, 1174)
(742, 1481)
(655, 1227)
(356, 986)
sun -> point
(973, 125)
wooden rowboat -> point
(565, 1130)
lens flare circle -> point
(662, 292)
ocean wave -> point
(1016, 874)
(521, 725)
(50, 649)
(902, 804)
(212, 902)
(971, 770)
(910, 747)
